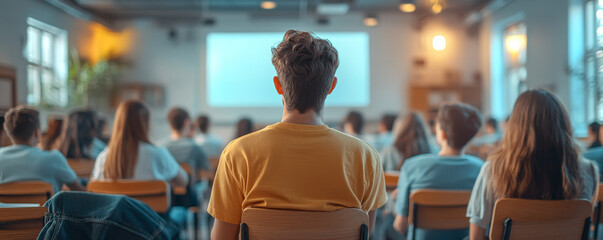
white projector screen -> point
(240, 70)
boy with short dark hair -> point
(24, 161)
(212, 145)
(181, 146)
(299, 163)
(456, 125)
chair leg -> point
(586, 230)
(507, 229)
(364, 233)
(196, 225)
(244, 231)
(597, 219)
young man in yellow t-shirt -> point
(299, 163)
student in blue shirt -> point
(456, 125)
(24, 161)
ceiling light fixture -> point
(268, 5)
(370, 20)
(408, 6)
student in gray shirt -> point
(538, 159)
(181, 146)
(23, 161)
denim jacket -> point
(81, 215)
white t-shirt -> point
(152, 163)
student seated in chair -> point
(456, 124)
(538, 159)
(299, 163)
(212, 145)
(78, 138)
(24, 161)
(130, 154)
(181, 146)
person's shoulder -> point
(421, 159)
(473, 160)
(595, 154)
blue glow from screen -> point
(240, 70)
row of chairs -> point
(430, 209)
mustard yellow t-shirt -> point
(297, 167)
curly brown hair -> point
(306, 67)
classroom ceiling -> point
(120, 9)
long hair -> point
(49, 139)
(130, 128)
(411, 137)
(77, 134)
(538, 158)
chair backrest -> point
(26, 192)
(598, 212)
(21, 223)
(154, 193)
(438, 209)
(391, 179)
(540, 219)
(346, 223)
(82, 167)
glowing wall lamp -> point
(408, 6)
(439, 43)
(514, 43)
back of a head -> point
(244, 127)
(492, 123)
(131, 127)
(78, 133)
(177, 117)
(460, 122)
(54, 131)
(202, 123)
(306, 67)
(21, 122)
(538, 158)
(356, 120)
(388, 121)
(593, 128)
(411, 136)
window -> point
(515, 62)
(46, 54)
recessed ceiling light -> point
(370, 21)
(268, 5)
(408, 7)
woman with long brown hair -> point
(537, 159)
(131, 155)
(411, 139)
(53, 132)
(78, 138)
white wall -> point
(547, 48)
(180, 65)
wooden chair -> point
(82, 167)
(154, 193)
(438, 210)
(26, 192)
(347, 223)
(21, 222)
(391, 180)
(540, 219)
(597, 213)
